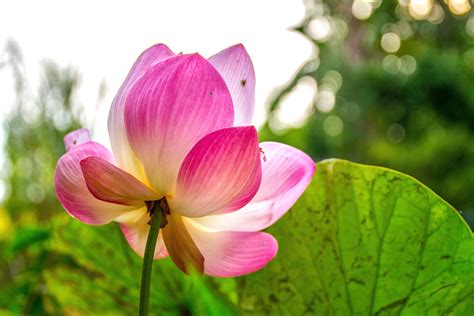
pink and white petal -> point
(221, 173)
(76, 138)
(286, 172)
(171, 107)
(235, 66)
(111, 184)
(72, 190)
(231, 254)
(124, 156)
(136, 235)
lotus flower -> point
(181, 135)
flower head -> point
(181, 135)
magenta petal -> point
(221, 173)
(111, 184)
(72, 190)
(286, 172)
(170, 108)
(137, 234)
(123, 154)
(230, 254)
(235, 66)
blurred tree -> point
(393, 85)
(34, 141)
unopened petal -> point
(286, 172)
(221, 173)
(171, 107)
(123, 154)
(72, 190)
(235, 66)
(111, 184)
(231, 254)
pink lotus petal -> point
(286, 173)
(235, 66)
(230, 254)
(111, 184)
(137, 233)
(72, 190)
(118, 137)
(76, 138)
(170, 108)
(221, 173)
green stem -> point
(156, 219)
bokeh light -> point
(469, 58)
(333, 125)
(332, 80)
(361, 9)
(391, 64)
(326, 100)
(35, 193)
(296, 106)
(407, 64)
(459, 7)
(470, 27)
(437, 14)
(320, 29)
(419, 9)
(396, 133)
(390, 42)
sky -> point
(102, 39)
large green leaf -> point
(362, 241)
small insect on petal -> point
(264, 158)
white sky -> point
(102, 39)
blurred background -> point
(387, 83)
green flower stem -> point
(155, 223)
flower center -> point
(159, 206)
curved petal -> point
(111, 184)
(123, 154)
(136, 235)
(235, 66)
(170, 108)
(230, 254)
(221, 173)
(286, 172)
(72, 190)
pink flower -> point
(180, 129)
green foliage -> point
(104, 274)
(366, 241)
(26, 237)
